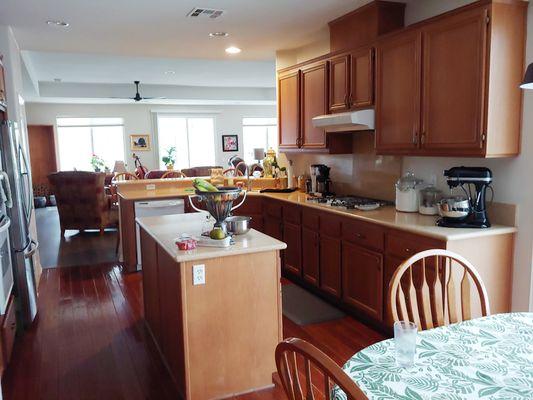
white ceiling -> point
(103, 68)
(159, 28)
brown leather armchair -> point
(82, 202)
(198, 171)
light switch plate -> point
(198, 274)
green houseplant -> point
(170, 158)
(97, 163)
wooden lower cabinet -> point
(311, 256)
(292, 256)
(362, 279)
(330, 265)
(273, 227)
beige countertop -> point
(165, 229)
(385, 216)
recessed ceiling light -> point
(218, 34)
(61, 24)
(169, 72)
(233, 50)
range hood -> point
(362, 120)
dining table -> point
(483, 358)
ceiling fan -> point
(138, 96)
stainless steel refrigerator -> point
(15, 162)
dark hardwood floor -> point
(76, 248)
(90, 341)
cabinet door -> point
(339, 83)
(289, 109)
(398, 80)
(310, 256)
(272, 227)
(293, 253)
(361, 78)
(330, 265)
(314, 102)
(151, 291)
(362, 279)
(454, 71)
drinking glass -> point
(405, 343)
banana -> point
(203, 186)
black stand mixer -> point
(474, 215)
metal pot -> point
(238, 225)
(455, 207)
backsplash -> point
(362, 173)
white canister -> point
(408, 193)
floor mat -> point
(304, 308)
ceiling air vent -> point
(197, 12)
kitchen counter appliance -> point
(320, 181)
(468, 211)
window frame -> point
(243, 125)
(57, 126)
(186, 115)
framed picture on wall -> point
(230, 143)
(140, 142)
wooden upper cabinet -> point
(361, 78)
(454, 58)
(398, 92)
(339, 83)
(314, 94)
(289, 109)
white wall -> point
(138, 119)
(9, 49)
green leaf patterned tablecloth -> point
(484, 358)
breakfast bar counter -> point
(214, 313)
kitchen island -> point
(214, 313)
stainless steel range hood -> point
(362, 120)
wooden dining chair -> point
(173, 174)
(301, 367)
(443, 281)
(124, 176)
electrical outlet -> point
(198, 274)
(150, 186)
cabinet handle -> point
(360, 236)
(407, 250)
(423, 138)
(415, 137)
(13, 325)
(350, 100)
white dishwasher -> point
(152, 209)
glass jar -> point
(429, 199)
(217, 177)
(269, 162)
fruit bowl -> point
(219, 204)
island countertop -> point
(165, 229)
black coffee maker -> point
(474, 215)
(320, 182)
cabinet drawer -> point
(330, 225)
(9, 327)
(273, 208)
(310, 219)
(364, 234)
(404, 245)
(292, 214)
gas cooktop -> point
(350, 202)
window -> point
(258, 133)
(193, 138)
(80, 138)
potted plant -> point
(97, 163)
(170, 158)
